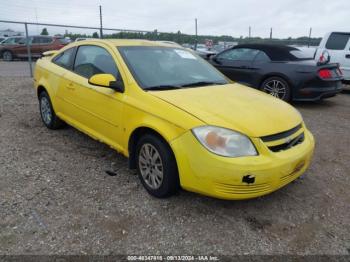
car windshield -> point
(12, 40)
(169, 68)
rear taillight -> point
(325, 73)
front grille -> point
(296, 141)
(281, 135)
(285, 140)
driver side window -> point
(239, 54)
(91, 60)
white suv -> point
(337, 45)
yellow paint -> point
(111, 117)
(103, 80)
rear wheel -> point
(277, 87)
(156, 166)
(47, 113)
(7, 55)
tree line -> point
(192, 39)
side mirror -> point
(107, 80)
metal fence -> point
(152, 35)
(99, 29)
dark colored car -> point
(282, 71)
(38, 44)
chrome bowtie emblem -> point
(288, 140)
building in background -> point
(9, 32)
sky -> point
(288, 18)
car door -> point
(260, 67)
(45, 44)
(97, 110)
(236, 64)
(37, 45)
(62, 65)
(20, 48)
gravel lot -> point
(14, 68)
(56, 197)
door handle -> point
(70, 86)
(347, 56)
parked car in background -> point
(337, 45)
(83, 38)
(180, 122)
(15, 47)
(169, 43)
(282, 71)
(11, 40)
(203, 51)
(218, 48)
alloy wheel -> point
(7, 56)
(275, 88)
(151, 166)
(45, 110)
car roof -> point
(274, 51)
(46, 36)
(17, 36)
(124, 42)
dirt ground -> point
(56, 197)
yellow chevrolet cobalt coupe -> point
(180, 122)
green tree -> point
(95, 35)
(44, 32)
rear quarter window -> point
(65, 59)
(337, 41)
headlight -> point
(224, 142)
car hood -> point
(236, 107)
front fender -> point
(167, 130)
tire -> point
(7, 55)
(277, 87)
(47, 113)
(162, 167)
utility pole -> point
(101, 33)
(250, 32)
(196, 28)
(271, 33)
(308, 44)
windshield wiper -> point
(162, 87)
(202, 83)
(194, 84)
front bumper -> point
(206, 173)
